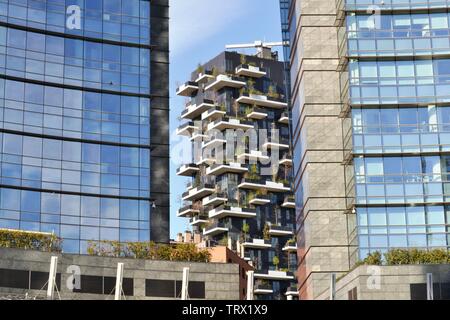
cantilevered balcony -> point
(187, 129)
(199, 220)
(273, 275)
(290, 246)
(229, 123)
(215, 229)
(215, 199)
(207, 159)
(259, 200)
(213, 142)
(198, 192)
(187, 211)
(187, 89)
(262, 101)
(204, 76)
(251, 155)
(198, 136)
(257, 244)
(284, 118)
(292, 291)
(286, 160)
(233, 167)
(223, 81)
(280, 143)
(213, 114)
(262, 184)
(289, 202)
(250, 71)
(262, 289)
(187, 170)
(192, 111)
(228, 211)
(280, 231)
(257, 113)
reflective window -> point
(75, 62)
(73, 113)
(117, 20)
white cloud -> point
(193, 21)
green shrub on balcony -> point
(149, 251)
(18, 239)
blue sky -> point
(199, 30)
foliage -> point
(29, 240)
(224, 241)
(266, 232)
(276, 261)
(243, 59)
(215, 72)
(245, 229)
(407, 256)
(272, 92)
(200, 68)
(149, 251)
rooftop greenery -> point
(28, 240)
(407, 256)
(149, 251)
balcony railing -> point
(250, 71)
(199, 220)
(257, 113)
(219, 169)
(257, 244)
(262, 101)
(289, 202)
(187, 211)
(214, 113)
(215, 199)
(192, 111)
(278, 142)
(216, 228)
(280, 231)
(284, 118)
(230, 123)
(198, 192)
(223, 81)
(259, 200)
(204, 76)
(228, 211)
(263, 288)
(286, 160)
(187, 89)
(273, 275)
(187, 170)
(257, 184)
(187, 129)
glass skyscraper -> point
(83, 119)
(370, 113)
(398, 83)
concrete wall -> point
(221, 280)
(322, 224)
(394, 282)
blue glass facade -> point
(75, 118)
(398, 91)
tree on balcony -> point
(200, 68)
(245, 230)
(276, 262)
(243, 59)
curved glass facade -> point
(75, 119)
